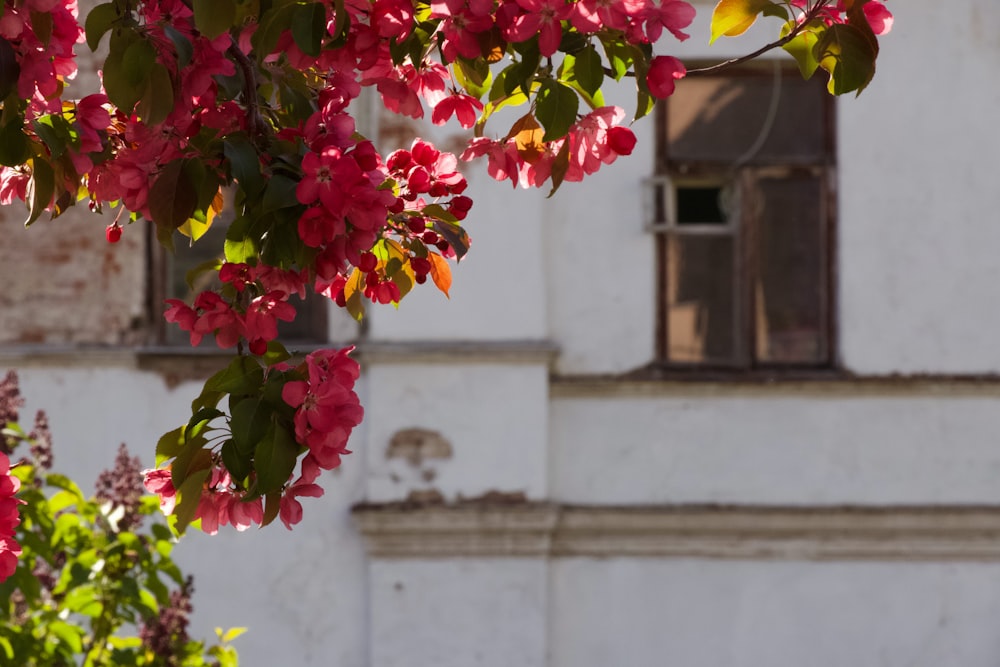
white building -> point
(612, 456)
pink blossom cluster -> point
(220, 504)
(879, 18)
(10, 550)
(594, 140)
(420, 172)
(261, 301)
(141, 150)
(326, 409)
(46, 61)
(474, 28)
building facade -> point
(707, 408)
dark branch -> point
(807, 18)
(257, 126)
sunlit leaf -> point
(847, 54)
(440, 272)
(734, 17)
(802, 47)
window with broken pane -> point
(745, 221)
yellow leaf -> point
(194, 229)
(734, 17)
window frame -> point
(671, 174)
(160, 265)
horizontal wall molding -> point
(820, 533)
(849, 386)
(457, 351)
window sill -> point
(658, 380)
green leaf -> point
(474, 76)
(272, 23)
(84, 600)
(279, 193)
(126, 68)
(173, 198)
(586, 68)
(158, 96)
(14, 147)
(244, 162)
(309, 27)
(188, 497)
(56, 132)
(66, 484)
(243, 376)
(276, 353)
(192, 459)
(239, 464)
(734, 17)
(802, 47)
(272, 505)
(275, 459)
(69, 635)
(10, 70)
(847, 54)
(170, 444)
(214, 17)
(99, 21)
(556, 107)
(182, 45)
(202, 417)
(240, 246)
(250, 420)
(620, 58)
(41, 187)
(520, 75)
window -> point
(742, 208)
(170, 281)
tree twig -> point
(806, 19)
(258, 127)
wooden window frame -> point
(671, 174)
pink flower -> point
(464, 107)
(542, 18)
(10, 551)
(290, 509)
(160, 482)
(663, 72)
(263, 314)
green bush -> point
(95, 584)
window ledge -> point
(655, 380)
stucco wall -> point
(917, 270)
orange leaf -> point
(527, 134)
(440, 272)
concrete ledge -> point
(539, 529)
(457, 351)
